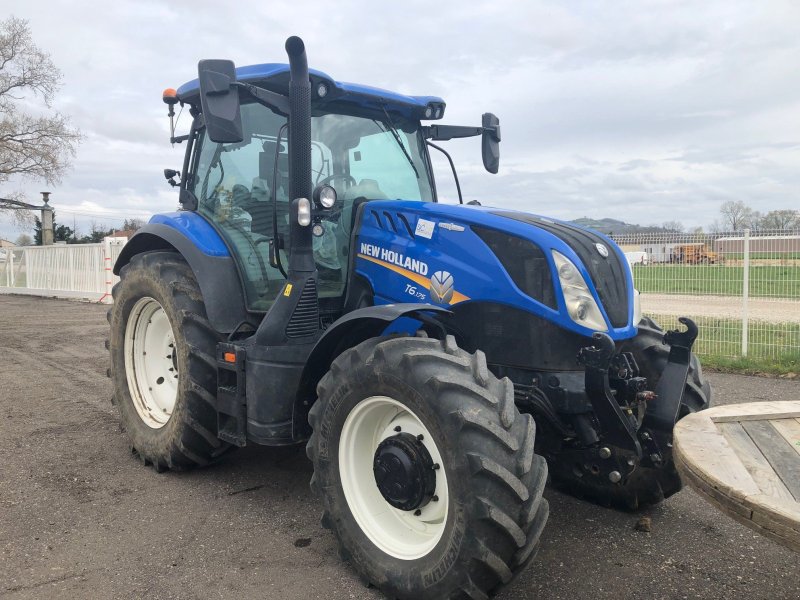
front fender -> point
(346, 332)
(207, 256)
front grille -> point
(524, 262)
(608, 274)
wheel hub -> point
(404, 472)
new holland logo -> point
(441, 289)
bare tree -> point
(736, 215)
(24, 240)
(36, 146)
(673, 226)
(780, 219)
(133, 224)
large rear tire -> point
(482, 524)
(162, 363)
(646, 486)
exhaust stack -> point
(301, 258)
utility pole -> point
(47, 221)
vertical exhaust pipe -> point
(295, 313)
(301, 258)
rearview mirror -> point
(219, 100)
(490, 143)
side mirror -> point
(490, 144)
(170, 175)
(219, 100)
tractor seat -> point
(367, 189)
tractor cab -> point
(366, 144)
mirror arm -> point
(277, 103)
(442, 133)
(452, 167)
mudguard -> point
(208, 257)
(346, 332)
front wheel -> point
(426, 469)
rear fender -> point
(207, 256)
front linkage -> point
(634, 424)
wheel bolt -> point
(435, 498)
(417, 512)
(420, 437)
(398, 429)
(614, 477)
(605, 452)
(436, 467)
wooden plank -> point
(754, 410)
(748, 469)
(786, 514)
(755, 463)
(790, 430)
(707, 451)
(776, 530)
(778, 452)
(720, 499)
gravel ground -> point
(771, 310)
(80, 517)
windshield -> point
(244, 187)
(368, 159)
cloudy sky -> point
(640, 111)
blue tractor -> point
(436, 358)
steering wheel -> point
(348, 178)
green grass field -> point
(772, 347)
(765, 281)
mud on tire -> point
(189, 437)
(496, 512)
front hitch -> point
(618, 427)
(663, 413)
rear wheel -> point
(426, 469)
(162, 363)
(646, 485)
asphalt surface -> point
(80, 517)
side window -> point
(233, 184)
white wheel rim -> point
(401, 534)
(150, 364)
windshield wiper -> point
(397, 139)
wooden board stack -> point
(745, 459)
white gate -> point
(63, 271)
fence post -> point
(9, 268)
(745, 290)
(107, 268)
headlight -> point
(325, 196)
(580, 304)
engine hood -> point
(460, 236)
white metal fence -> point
(62, 271)
(742, 288)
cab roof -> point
(275, 76)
